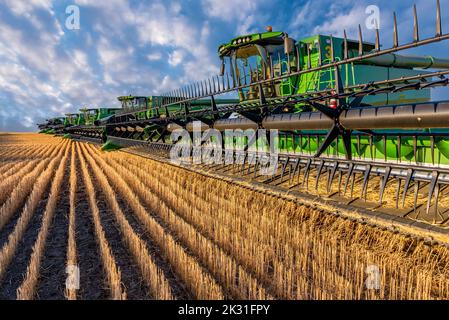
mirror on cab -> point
(222, 68)
(288, 45)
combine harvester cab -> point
(74, 119)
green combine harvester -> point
(89, 123)
(332, 106)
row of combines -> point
(346, 112)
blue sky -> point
(149, 47)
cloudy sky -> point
(149, 47)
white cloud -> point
(16, 45)
(176, 7)
(229, 10)
(157, 25)
(175, 58)
(302, 15)
(42, 78)
(28, 122)
(110, 57)
(80, 59)
(20, 8)
(246, 27)
(112, 16)
(342, 21)
(154, 56)
(39, 79)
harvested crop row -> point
(242, 240)
(252, 254)
(165, 189)
(202, 286)
(45, 150)
(25, 153)
(13, 166)
(109, 264)
(8, 168)
(26, 139)
(40, 186)
(6, 152)
(7, 184)
(234, 277)
(27, 289)
(71, 247)
(31, 151)
(21, 190)
(154, 277)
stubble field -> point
(136, 228)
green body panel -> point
(110, 146)
(92, 115)
(379, 151)
(308, 144)
(74, 119)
